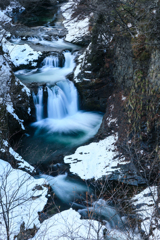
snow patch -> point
(110, 118)
(4, 19)
(145, 203)
(129, 25)
(96, 159)
(81, 62)
(68, 225)
(21, 162)
(22, 197)
(24, 88)
(10, 109)
(77, 29)
(123, 98)
(21, 54)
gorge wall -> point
(117, 72)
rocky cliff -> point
(117, 72)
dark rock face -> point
(21, 104)
(115, 121)
(128, 175)
(25, 234)
(36, 12)
(123, 70)
(83, 41)
(35, 5)
(4, 4)
(96, 82)
(94, 94)
(114, 110)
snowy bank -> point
(81, 63)
(11, 110)
(145, 203)
(96, 159)
(6, 76)
(5, 80)
(4, 19)
(22, 164)
(68, 225)
(77, 29)
(21, 54)
(22, 197)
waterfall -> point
(69, 190)
(63, 116)
(53, 61)
(38, 103)
(69, 60)
(50, 62)
(50, 71)
(62, 100)
(64, 122)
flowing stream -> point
(61, 126)
(48, 73)
(62, 122)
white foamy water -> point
(38, 102)
(73, 126)
(49, 73)
(66, 189)
(50, 62)
(59, 43)
(63, 116)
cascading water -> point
(64, 124)
(50, 61)
(102, 211)
(62, 100)
(65, 188)
(68, 62)
(38, 102)
(63, 115)
(50, 73)
(57, 43)
(71, 191)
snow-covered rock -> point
(22, 197)
(13, 5)
(4, 19)
(10, 109)
(5, 81)
(77, 29)
(5, 91)
(5, 76)
(24, 88)
(68, 225)
(81, 63)
(22, 164)
(96, 159)
(21, 54)
(145, 203)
